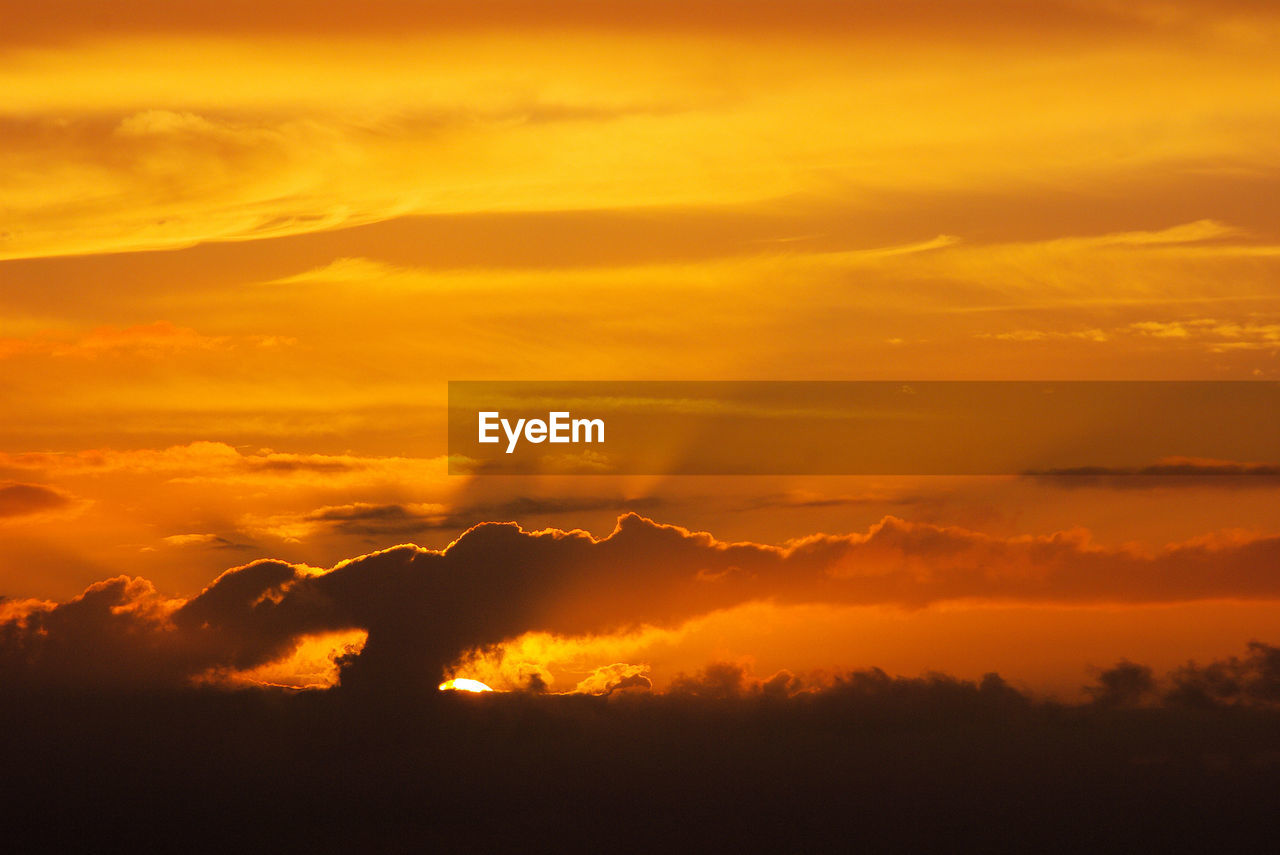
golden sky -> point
(243, 246)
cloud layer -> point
(423, 609)
(18, 500)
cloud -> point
(1167, 473)
(314, 664)
(217, 462)
(362, 271)
(115, 634)
(1249, 681)
(618, 677)
(301, 166)
(22, 500)
(366, 519)
(357, 518)
(1124, 684)
(1194, 232)
(719, 681)
(124, 141)
(206, 541)
(423, 608)
(732, 680)
(1207, 334)
(154, 341)
(733, 763)
(507, 664)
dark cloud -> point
(729, 680)
(729, 763)
(369, 519)
(630, 683)
(718, 681)
(112, 635)
(423, 608)
(1170, 473)
(1125, 684)
(300, 463)
(18, 500)
(406, 519)
(1249, 681)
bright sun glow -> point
(463, 685)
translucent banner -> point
(863, 428)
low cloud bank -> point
(422, 609)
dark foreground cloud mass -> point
(722, 763)
(422, 609)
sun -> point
(463, 685)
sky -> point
(245, 246)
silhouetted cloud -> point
(113, 635)
(423, 608)
(408, 518)
(1124, 684)
(917, 764)
(729, 680)
(1250, 681)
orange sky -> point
(242, 249)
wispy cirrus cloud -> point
(218, 462)
(154, 340)
(1211, 335)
